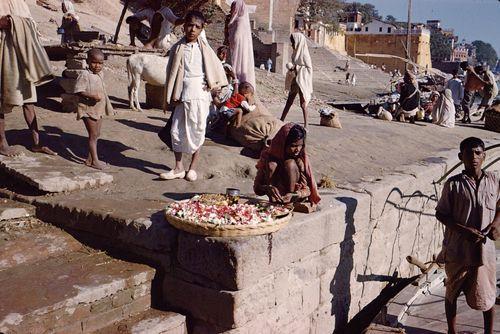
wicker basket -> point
(212, 230)
(492, 120)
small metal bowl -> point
(232, 192)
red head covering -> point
(276, 151)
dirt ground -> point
(363, 148)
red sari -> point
(276, 152)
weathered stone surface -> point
(129, 222)
(71, 74)
(10, 209)
(18, 247)
(59, 286)
(239, 262)
(76, 64)
(150, 322)
(53, 173)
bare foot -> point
(9, 151)
(97, 165)
(88, 161)
(43, 149)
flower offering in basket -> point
(223, 215)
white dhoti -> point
(189, 120)
(189, 123)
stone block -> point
(10, 209)
(240, 262)
(323, 320)
(76, 64)
(310, 296)
(326, 286)
(53, 173)
(71, 74)
(123, 297)
(209, 305)
(149, 322)
(297, 326)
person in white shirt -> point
(457, 89)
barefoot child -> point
(468, 207)
(193, 71)
(94, 103)
(226, 92)
(283, 171)
(240, 103)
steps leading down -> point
(50, 283)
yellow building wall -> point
(391, 44)
(336, 42)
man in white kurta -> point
(190, 116)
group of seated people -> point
(443, 107)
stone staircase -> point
(51, 283)
(329, 65)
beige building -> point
(273, 20)
(359, 45)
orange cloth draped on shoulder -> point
(276, 152)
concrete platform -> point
(53, 173)
(149, 322)
(14, 210)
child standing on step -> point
(93, 103)
(469, 209)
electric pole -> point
(408, 35)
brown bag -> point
(331, 121)
(256, 128)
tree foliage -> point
(326, 11)
(332, 11)
(368, 10)
(485, 53)
(391, 19)
(440, 49)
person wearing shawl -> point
(409, 100)
(69, 23)
(300, 76)
(444, 110)
(193, 71)
(24, 64)
(239, 35)
(284, 173)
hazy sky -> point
(471, 19)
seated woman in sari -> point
(409, 100)
(284, 173)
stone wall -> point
(312, 276)
(390, 44)
(335, 41)
(315, 274)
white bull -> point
(147, 67)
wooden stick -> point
(125, 6)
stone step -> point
(10, 209)
(52, 173)
(78, 292)
(17, 246)
(149, 322)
